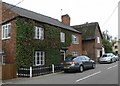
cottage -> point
(91, 39)
(32, 39)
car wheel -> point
(81, 68)
(111, 60)
(93, 65)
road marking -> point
(112, 67)
(88, 76)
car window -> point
(69, 58)
(104, 56)
(77, 59)
(82, 58)
(86, 58)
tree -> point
(106, 42)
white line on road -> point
(88, 76)
(112, 67)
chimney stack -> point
(65, 19)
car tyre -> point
(111, 61)
(81, 69)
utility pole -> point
(119, 28)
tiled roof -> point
(38, 17)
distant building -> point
(115, 47)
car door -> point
(88, 62)
(84, 62)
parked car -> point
(78, 63)
(107, 58)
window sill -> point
(75, 43)
(6, 38)
(38, 65)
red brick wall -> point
(7, 14)
(98, 45)
(9, 45)
(0, 25)
(65, 19)
(89, 47)
(75, 47)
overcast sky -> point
(80, 11)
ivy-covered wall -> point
(26, 45)
(68, 38)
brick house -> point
(91, 39)
(52, 39)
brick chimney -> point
(65, 19)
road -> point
(103, 74)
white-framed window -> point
(39, 58)
(62, 37)
(98, 39)
(6, 29)
(74, 53)
(98, 53)
(75, 39)
(39, 33)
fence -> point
(38, 70)
(9, 71)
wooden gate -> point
(9, 71)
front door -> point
(62, 55)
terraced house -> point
(32, 39)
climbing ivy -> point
(24, 41)
(26, 45)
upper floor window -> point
(75, 39)
(39, 33)
(98, 53)
(62, 37)
(98, 39)
(39, 58)
(74, 53)
(6, 29)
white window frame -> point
(98, 39)
(41, 55)
(39, 33)
(75, 39)
(6, 31)
(62, 37)
(74, 53)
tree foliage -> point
(106, 43)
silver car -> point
(107, 58)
